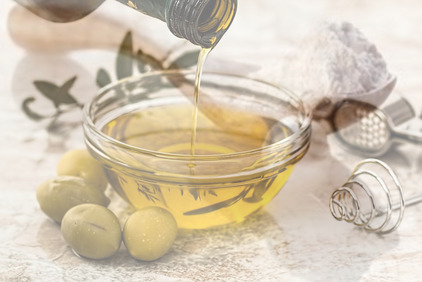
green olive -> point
(149, 233)
(57, 195)
(80, 163)
(92, 231)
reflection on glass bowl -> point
(249, 135)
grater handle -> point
(401, 115)
(399, 111)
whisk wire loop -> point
(346, 203)
(344, 212)
(368, 223)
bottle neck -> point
(202, 22)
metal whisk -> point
(371, 198)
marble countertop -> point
(294, 238)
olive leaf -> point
(259, 190)
(68, 84)
(47, 89)
(186, 60)
(146, 62)
(103, 78)
(151, 192)
(124, 60)
(195, 194)
(224, 204)
(212, 192)
(57, 94)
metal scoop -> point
(372, 131)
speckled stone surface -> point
(294, 238)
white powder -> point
(335, 60)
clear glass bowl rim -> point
(301, 136)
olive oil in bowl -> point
(249, 135)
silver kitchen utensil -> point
(371, 130)
(372, 198)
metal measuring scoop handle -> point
(402, 116)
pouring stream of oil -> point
(200, 127)
(201, 61)
(218, 128)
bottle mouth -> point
(202, 22)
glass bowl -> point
(249, 135)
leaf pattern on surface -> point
(127, 59)
(103, 78)
(57, 94)
(126, 63)
(195, 194)
(27, 110)
(220, 205)
(151, 192)
(47, 89)
(259, 190)
(124, 60)
(68, 84)
(186, 60)
(146, 62)
(124, 67)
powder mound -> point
(336, 61)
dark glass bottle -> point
(202, 22)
